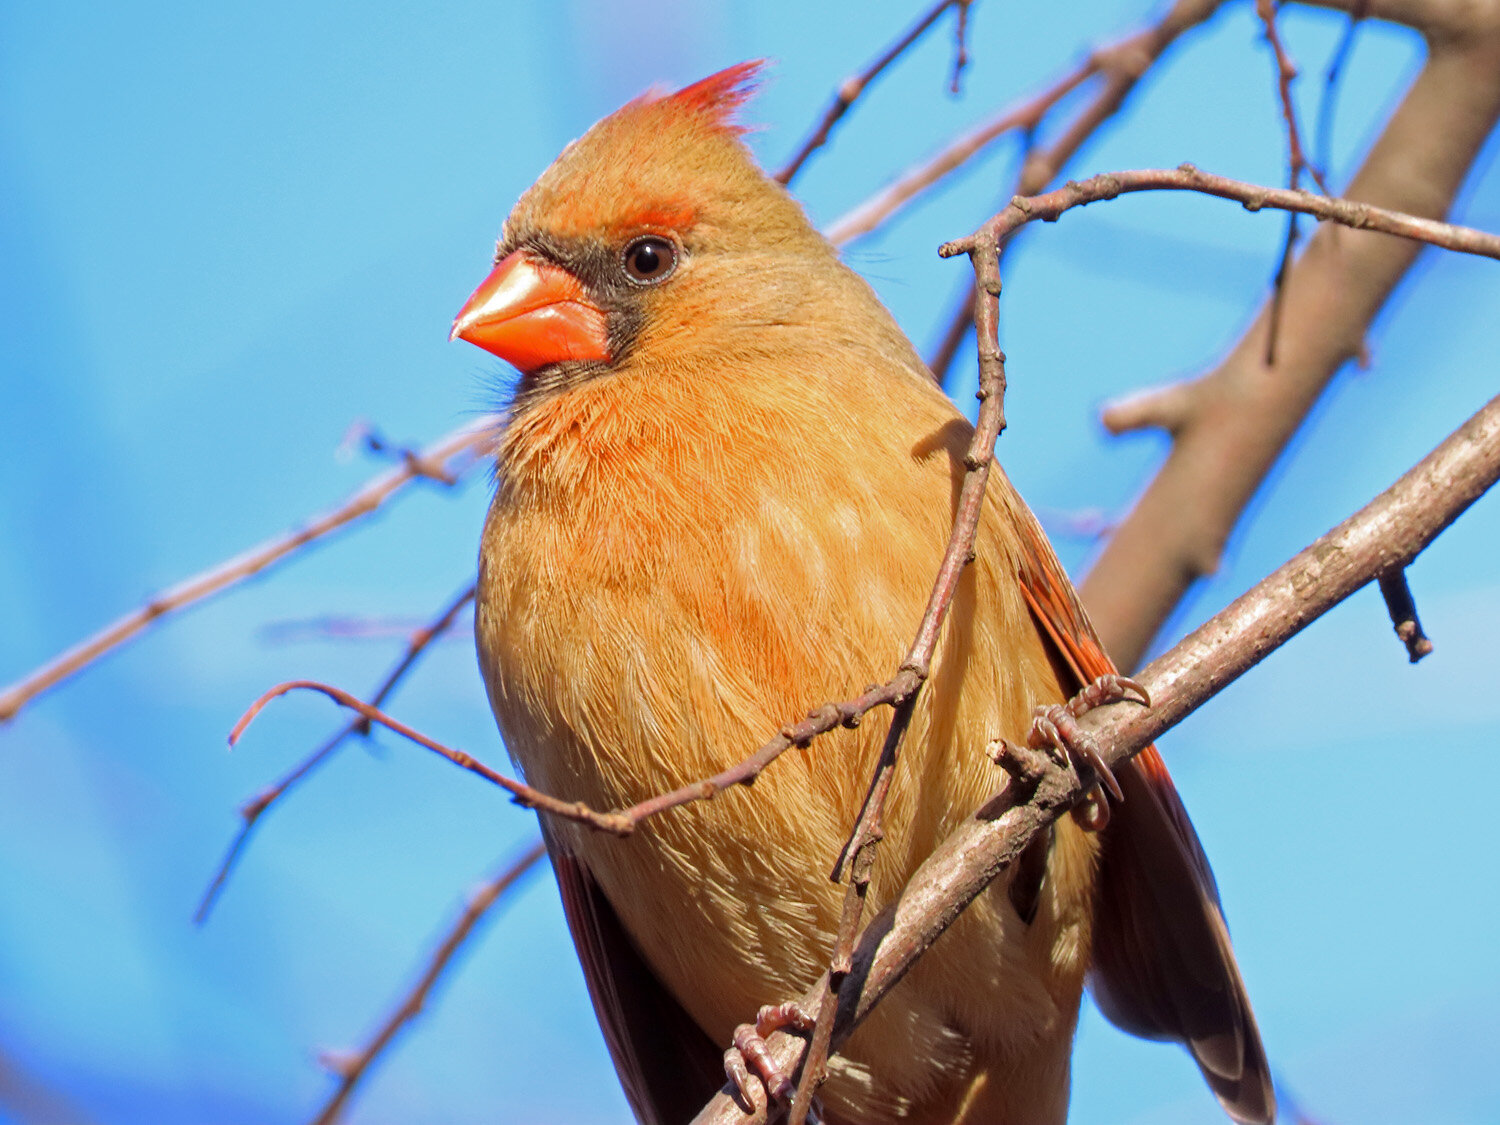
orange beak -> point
(532, 313)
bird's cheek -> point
(532, 313)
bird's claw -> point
(1055, 730)
(750, 1055)
(1110, 688)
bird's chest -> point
(620, 657)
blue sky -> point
(230, 230)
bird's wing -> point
(1163, 967)
(667, 1065)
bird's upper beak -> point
(531, 313)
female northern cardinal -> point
(724, 489)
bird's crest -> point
(717, 97)
(657, 161)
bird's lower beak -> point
(532, 313)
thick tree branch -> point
(1448, 21)
(1389, 531)
(1233, 423)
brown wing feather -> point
(668, 1067)
(1163, 966)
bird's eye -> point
(650, 259)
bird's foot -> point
(750, 1055)
(1055, 729)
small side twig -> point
(352, 1067)
(1286, 74)
(373, 441)
(1403, 610)
(960, 46)
(252, 810)
(852, 87)
(522, 794)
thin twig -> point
(1286, 73)
(522, 794)
(351, 1068)
(455, 454)
(960, 46)
(337, 627)
(1124, 65)
(1397, 525)
(878, 208)
(1125, 61)
(623, 822)
(378, 444)
(858, 859)
(1403, 610)
(252, 810)
(852, 87)
(1297, 163)
(1327, 103)
(1278, 288)
(1254, 197)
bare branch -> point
(1243, 415)
(1286, 73)
(1451, 22)
(523, 795)
(1390, 530)
(351, 1068)
(1123, 65)
(1161, 408)
(449, 458)
(888, 201)
(1324, 138)
(252, 810)
(960, 47)
(1297, 163)
(852, 87)
(1109, 185)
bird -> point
(724, 484)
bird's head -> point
(652, 237)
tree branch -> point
(351, 1068)
(1243, 414)
(858, 859)
(447, 459)
(852, 87)
(1050, 207)
(252, 810)
(1124, 65)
